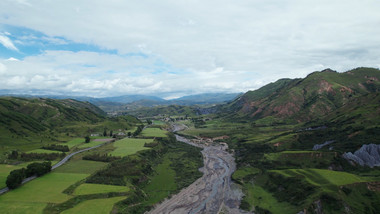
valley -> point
(293, 146)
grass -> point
(128, 146)
(22, 208)
(264, 199)
(73, 142)
(80, 167)
(44, 151)
(153, 132)
(244, 172)
(91, 144)
(325, 178)
(158, 122)
(94, 206)
(162, 183)
(85, 189)
(45, 189)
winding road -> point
(213, 192)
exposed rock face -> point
(367, 155)
(319, 146)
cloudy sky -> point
(173, 47)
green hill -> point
(309, 98)
(26, 124)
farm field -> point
(73, 142)
(85, 189)
(94, 206)
(322, 177)
(80, 167)
(158, 122)
(45, 151)
(128, 146)
(93, 142)
(22, 208)
(153, 132)
(46, 189)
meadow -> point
(95, 206)
(162, 183)
(85, 189)
(73, 142)
(93, 142)
(128, 146)
(45, 189)
(80, 166)
(43, 151)
(153, 132)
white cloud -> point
(3, 68)
(6, 42)
(211, 45)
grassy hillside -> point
(309, 98)
(27, 124)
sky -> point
(172, 48)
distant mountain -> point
(129, 98)
(207, 98)
(306, 99)
(121, 103)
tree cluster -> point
(138, 130)
(55, 147)
(87, 139)
(41, 156)
(102, 158)
(16, 177)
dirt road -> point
(213, 192)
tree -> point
(15, 178)
(87, 139)
(129, 134)
(105, 132)
(149, 122)
(38, 168)
(13, 155)
(111, 133)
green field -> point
(153, 132)
(43, 151)
(264, 199)
(158, 122)
(80, 167)
(163, 183)
(85, 189)
(128, 146)
(91, 144)
(322, 177)
(94, 206)
(73, 142)
(22, 208)
(45, 189)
